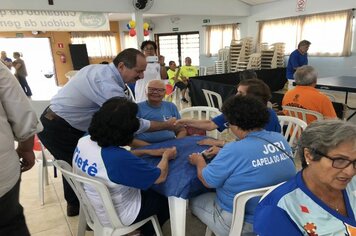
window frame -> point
(179, 40)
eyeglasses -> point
(337, 162)
(149, 49)
(157, 90)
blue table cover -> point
(182, 180)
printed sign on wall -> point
(41, 20)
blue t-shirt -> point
(248, 164)
(292, 209)
(296, 59)
(272, 125)
(162, 113)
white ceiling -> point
(128, 16)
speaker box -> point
(79, 55)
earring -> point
(307, 163)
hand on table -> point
(212, 151)
(194, 158)
(156, 152)
(171, 153)
(209, 142)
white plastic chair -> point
(302, 113)
(201, 113)
(209, 97)
(238, 213)
(43, 156)
(291, 128)
(87, 213)
(270, 190)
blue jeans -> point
(210, 213)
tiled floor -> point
(51, 220)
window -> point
(220, 36)
(99, 44)
(177, 46)
(329, 33)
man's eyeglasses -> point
(337, 162)
(157, 90)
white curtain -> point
(219, 36)
(330, 33)
(99, 44)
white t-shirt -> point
(152, 72)
(122, 172)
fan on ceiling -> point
(142, 5)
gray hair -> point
(305, 75)
(303, 43)
(161, 82)
(324, 136)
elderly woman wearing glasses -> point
(321, 199)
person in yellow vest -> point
(175, 79)
(188, 70)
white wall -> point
(326, 66)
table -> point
(339, 83)
(182, 182)
(225, 84)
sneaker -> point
(184, 100)
(72, 210)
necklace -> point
(334, 206)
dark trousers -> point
(26, 88)
(152, 203)
(12, 219)
(61, 139)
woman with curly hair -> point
(258, 159)
(100, 154)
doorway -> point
(37, 55)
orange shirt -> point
(311, 99)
